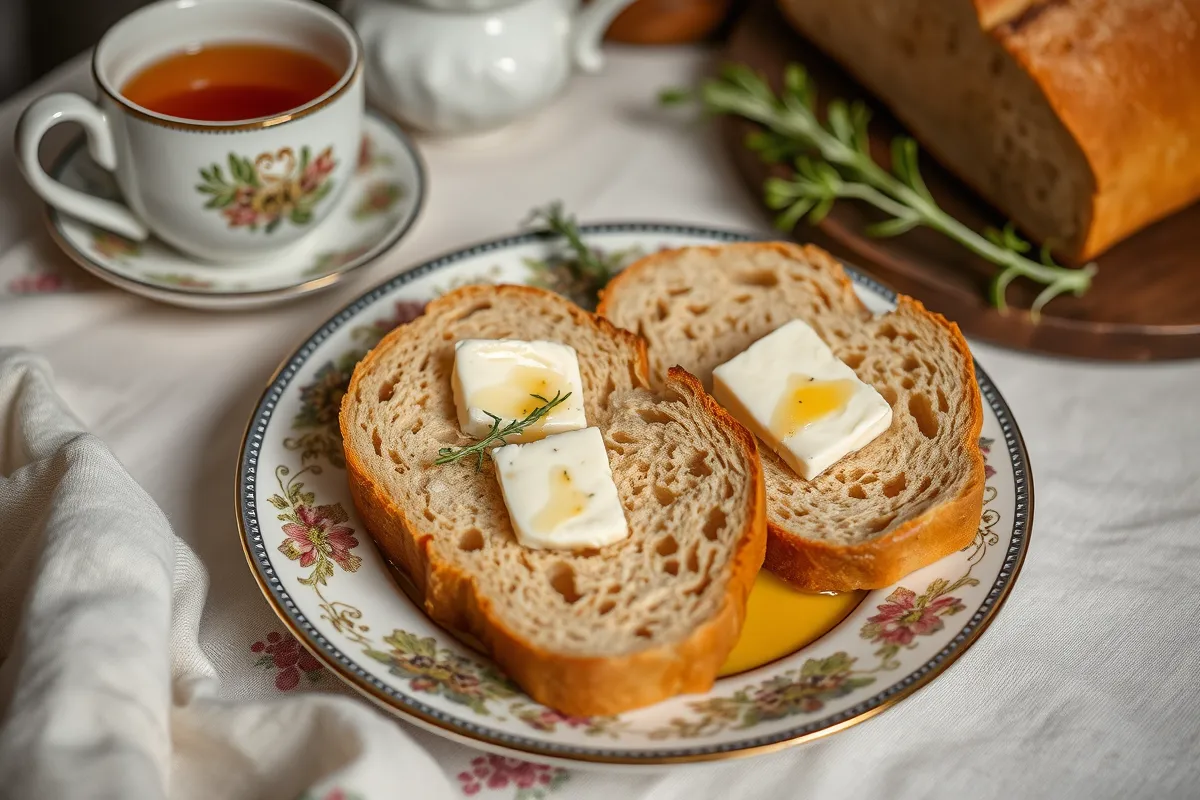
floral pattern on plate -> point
(430, 668)
(395, 652)
(316, 536)
(315, 432)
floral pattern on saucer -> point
(351, 613)
(114, 246)
(378, 198)
(334, 260)
(379, 204)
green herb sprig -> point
(832, 161)
(586, 265)
(447, 455)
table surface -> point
(1087, 684)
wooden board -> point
(1144, 303)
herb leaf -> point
(586, 263)
(496, 435)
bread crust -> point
(1122, 78)
(801, 252)
(951, 525)
(584, 686)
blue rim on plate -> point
(386, 696)
(54, 223)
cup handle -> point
(42, 115)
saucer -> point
(379, 206)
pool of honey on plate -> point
(780, 620)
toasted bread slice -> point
(911, 496)
(593, 632)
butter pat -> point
(502, 376)
(798, 398)
(560, 492)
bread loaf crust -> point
(582, 686)
(1121, 78)
(1124, 78)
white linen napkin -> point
(104, 690)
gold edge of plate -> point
(384, 701)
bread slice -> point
(595, 632)
(911, 496)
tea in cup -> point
(231, 127)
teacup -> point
(216, 189)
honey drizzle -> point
(807, 400)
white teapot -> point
(470, 66)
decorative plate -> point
(318, 569)
(380, 204)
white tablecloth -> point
(1088, 684)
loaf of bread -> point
(1078, 119)
(906, 499)
(588, 632)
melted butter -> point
(806, 401)
(780, 620)
(566, 502)
(514, 398)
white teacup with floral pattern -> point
(219, 191)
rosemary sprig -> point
(447, 455)
(586, 265)
(832, 161)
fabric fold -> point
(105, 691)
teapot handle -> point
(590, 24)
